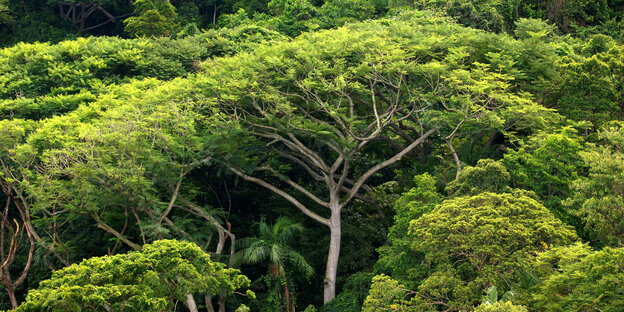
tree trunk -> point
(334, 253)
(190, 303)
(11, 292)
(208, 300)
(286, 294)
(214, 14)
(222, 297)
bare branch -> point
(296, 186)
(176, 191)
(281, 193)
(449, 143)
(388, 162)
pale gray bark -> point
(190, 303)
(331, 270)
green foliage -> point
(398, 259)
(30, 70)
(581, 280)
(487, 176)
(500, 15)
(41, 80)
(387, 294)
(501, 306)
(335, 13)
(536, 51)
(290, 15)
(612, 28)
(598, 44)
(479, 241)
(154, 18)
(152, 279)
(109, 142)
(547, 164)
(593, 88)
(591, 12)
(273, 246)
(492, 15)
(310, 308)
(5, 13)
(491, 296)
(352, 297)
(527, 28)
(598, 197)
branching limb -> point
(388, 162)
(281, 193)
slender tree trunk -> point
(214, 14)
(221, 242)
(190, 303)
(286, 294)
(222, 297)
(208, 300)
(11, 293)
(334, 252)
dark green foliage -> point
(290, 15)
(353, 294)
(272, 246)
(335, 13)
(599, 198)
(398, 259)
(593, 89)
(5, 13)
(547, 164)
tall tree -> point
(324, 110)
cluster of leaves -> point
(41, 80)
(152, 279)
(154, 18)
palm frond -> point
(299, 263)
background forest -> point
(339, 155)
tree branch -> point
(388, 162)
(281, 193)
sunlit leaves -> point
(152, 279)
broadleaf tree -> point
(324, 100)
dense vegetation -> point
(339, 155)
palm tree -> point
(272, 245)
